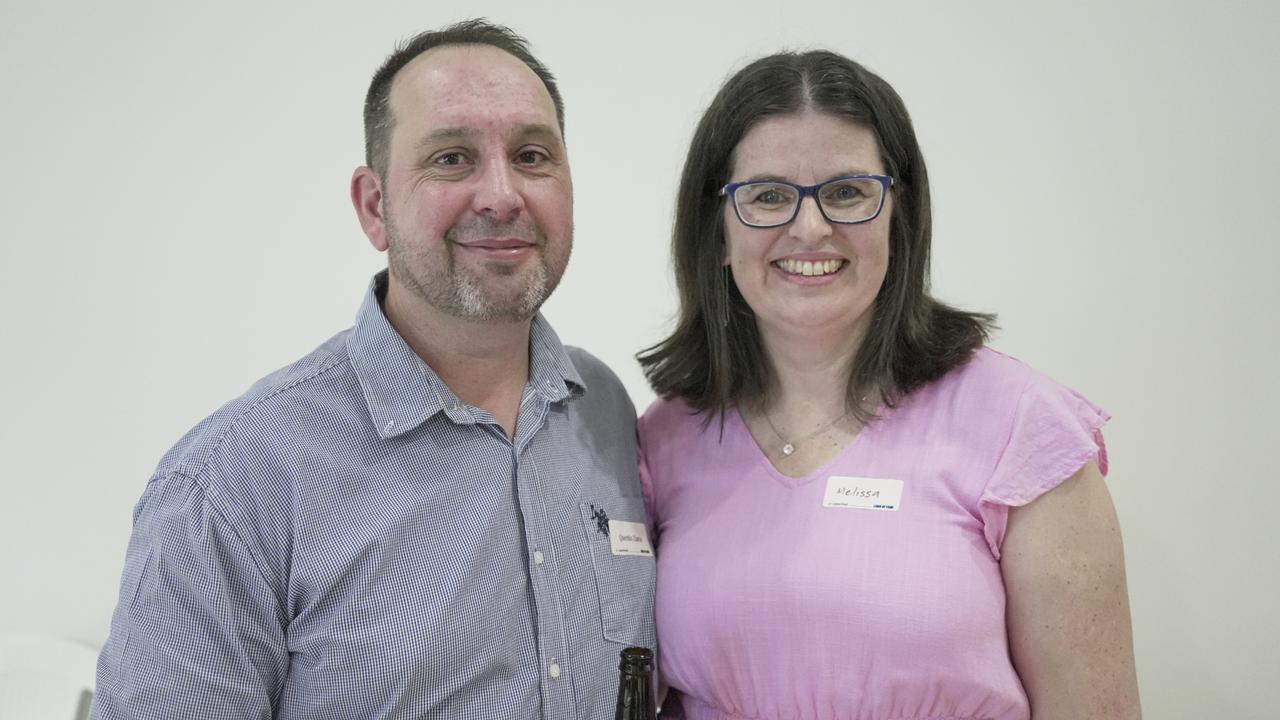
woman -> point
(860, 511)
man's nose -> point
(810, 224)
(498, 193)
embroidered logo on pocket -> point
(602, 519)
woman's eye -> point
(770, 196)
(845, 193)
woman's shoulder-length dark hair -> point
(714, 358)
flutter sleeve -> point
(1055, 431)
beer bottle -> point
(635, 685)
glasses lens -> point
(765, 203)
(851, 199)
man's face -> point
(477, 200)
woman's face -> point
(848, 261)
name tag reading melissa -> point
(629, 538)
(863, 493)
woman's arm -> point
(1068, 609)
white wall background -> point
(173, 202)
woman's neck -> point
(806, 419)
(810, 373)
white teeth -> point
(809, 268)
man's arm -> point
(1068, 608)
(198, 632)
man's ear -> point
(366, 197)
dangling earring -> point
(725, 296)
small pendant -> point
(788, 449)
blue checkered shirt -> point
(349, 540)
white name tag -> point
(865, 493)
(628, 538)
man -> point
(436, 514)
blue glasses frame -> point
(805, 191)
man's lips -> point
(499, 248)
(498, 244)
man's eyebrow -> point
(449, 133)
(537, 130)
(542, 131)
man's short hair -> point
(379, 120)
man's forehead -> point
(448, 75)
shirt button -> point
(554, 671)
(537, 557)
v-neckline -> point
(740, 426)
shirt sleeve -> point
(1055, 431)
(197, 632)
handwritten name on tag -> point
(863, 493)
(629, 538)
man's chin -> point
(508, 298)
(498, 307)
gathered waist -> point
(695, 709)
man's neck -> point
(486, 364)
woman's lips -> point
(810, 272)
(810, 268)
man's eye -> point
(530, 157)
(450, 158)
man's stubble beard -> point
(460, 291)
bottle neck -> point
(635, 701)
(635, 686)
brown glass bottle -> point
(635, 685)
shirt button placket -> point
(551, 633)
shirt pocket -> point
(624, 583)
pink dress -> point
(772, 603)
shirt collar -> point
(551, 372)
(402, 392)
